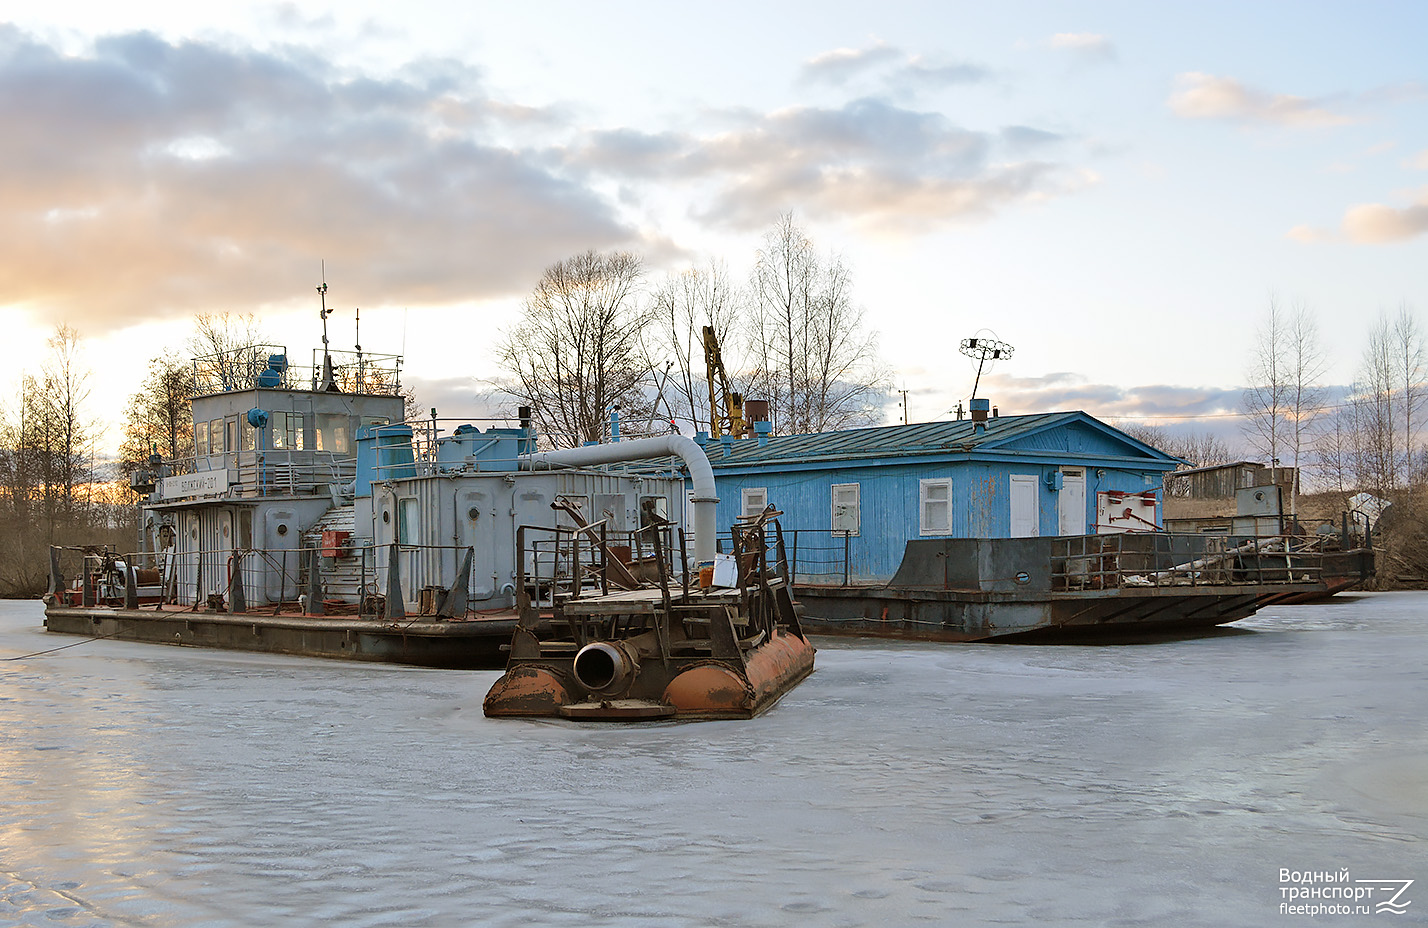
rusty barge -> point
(725, 648)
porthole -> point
(386, 517)
(473, 513)
(282, 528)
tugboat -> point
(315, 520)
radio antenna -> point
(328, 384)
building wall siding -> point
(889, 506)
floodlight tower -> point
(983, 350)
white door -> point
(1071, 504)
(1025, 506)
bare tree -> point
(1337, 448)
(159, 417)
(575, 353)
(1387, 400)
(810, 354)
(680, 308)
(1284, 395)
(229, 351)
(46, 466)
(1409, 350)
(66, 388)
(1266, 399)
(1305, 368)
(1198, 449)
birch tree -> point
(680, 308)
(1388, 399)
(810, 354)
(1284, 395)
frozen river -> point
(1160, 784)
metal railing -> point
(569, 562)
(271, 472)
(1097, 562)
(820, 556)
(351, 578)
(252, 367)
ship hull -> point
(477, 644)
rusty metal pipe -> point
(701, 475)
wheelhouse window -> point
(287, 429)
(332, 429)
(200, 439)
(215, 436)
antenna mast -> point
(361, 373)
(328, 384)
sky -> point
(1117, 190)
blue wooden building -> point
(856, 496)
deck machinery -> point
(610, 646)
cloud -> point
(1028, 137)
(149, 178)
(1066, 391)
(1309, 235)
(1205, 96)
(868, 161)
(891, 68)
(840, 65)
(1376, 224)
(1420, 161)
(146, 179)
(1087, 45)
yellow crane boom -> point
(726, 409)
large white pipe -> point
(701, 474)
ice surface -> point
(1161, 783)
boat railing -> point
(269, 472)
(330, 575)
(252, 367)
(568, 562)
(1159, 559)
(817, 556)
(439, 446)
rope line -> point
(64, 646)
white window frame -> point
(840, 528)
(753, 500)
(924, 524)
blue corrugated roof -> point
(919, 438)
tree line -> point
(52, 487)
(594, 334)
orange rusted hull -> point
(525, 691)
(688, 688)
